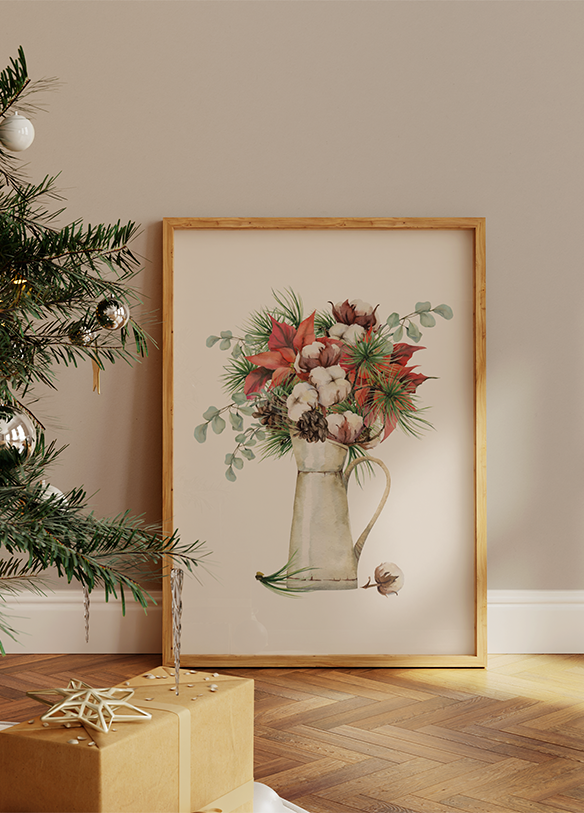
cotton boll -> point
(302, 398)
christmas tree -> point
(65, 297)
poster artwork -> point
(328, 387)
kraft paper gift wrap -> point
(196, 755)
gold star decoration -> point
(81, 703)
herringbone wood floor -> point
(506, 739)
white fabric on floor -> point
(266, 800)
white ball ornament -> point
(16, 133)
(51, 491)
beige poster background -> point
(427, 526)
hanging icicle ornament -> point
(16, 133)
(86, 612)
(112, 314)
(96, 374)
(17, 435)
(176, 583)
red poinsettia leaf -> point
(389, 426)
(282, 335)
(272, 359)
(255, 380)
(281, 374)
(403, 352)
(288, 356)
(413, 380)
(305, 334)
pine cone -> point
(312, 426)
(268, 416)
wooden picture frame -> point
(217, 267)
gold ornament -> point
(97, 708)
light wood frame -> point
(477, 227)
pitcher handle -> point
(358, 547)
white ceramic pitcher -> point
(320, 538)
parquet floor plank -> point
(278, 741)
(468, 804)
(423, 805)
(296, 688)
(541, 745)
(389, 791)
(509, 739)
(561, 803)
(487, 746)
(357, 741)
(307, 785)
(317, 804)
(405, 774)
(368, 717)
(483, 775)
(311, 708)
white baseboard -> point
(535, 621)
(518, 621)
(54, 623)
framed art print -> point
(324, 433)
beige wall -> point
(337, 108)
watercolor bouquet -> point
(340, 374)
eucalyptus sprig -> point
(423, 311)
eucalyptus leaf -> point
(237, 462)
(211, 340)
(427, 320)
(225, 344)
(229, 459)
(397, 336)
(226, 334)
(421, 307)
(247, 410)
(260, 434)
(250, 442)
(445, 311)
(231, 475)
(218, 424)
(236, 421)
(413, 332)
(210, 413)
(201, 432)
(240, 438)
(236, 352)
(239, 398)
(247, 453)
(392, 320)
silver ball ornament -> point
(17, 434)
(112, 314)
(80, 335)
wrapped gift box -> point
(195, 754)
